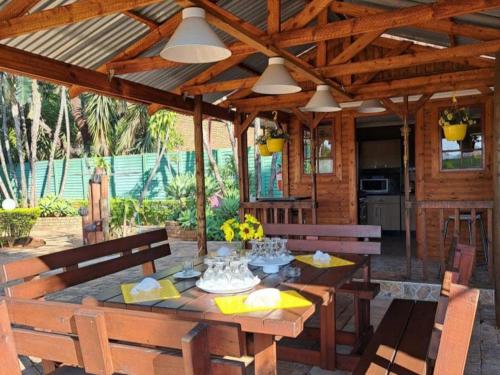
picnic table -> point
(319, 285)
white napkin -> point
(145, 285)
(267, 297)
(321, 257)
(224, 251)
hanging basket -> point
(275, 144)
(455, 132)
(263, 150)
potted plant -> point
(455, 121)
(276, 140)
(247, 230)
(262, 142)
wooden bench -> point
(339, 239)
(104, 340)
(35, 277)
(416, 336)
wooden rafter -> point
(149, 40)
(223, 21)
(404, 61)
(392, 19)
(39, 67)
(273, 16)
(393, 107)
(406, 86)
(321, 47)
(355, 47)
(246, 123)
(140, 18)
(447, 26)
(67, 14)
(16, 8)
(398, 49)
(140, 64)
(306, 15)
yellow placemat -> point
(236, 304)
(166, 291)
(334, 261)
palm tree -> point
(101, 113)
(132, 131)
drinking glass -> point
(187, 267)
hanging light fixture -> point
(194, 41)
(371, 106)
(276, 79)
(322, 101)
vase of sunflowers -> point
(247, 230)
(455, 121)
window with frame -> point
(469, 153)
(324, 149)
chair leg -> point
(484, 241)
(469, 227)
(446, 223)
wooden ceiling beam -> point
(273, 16)
(399, 49)
(221, 20)
(140, 64)
(415, 85)
(16, 8)
(382, 21)
(355, 47)
(165, 30)
(43, 68)
(407, 60)
(447, 26)
(82, 10)
(311, 10)
(140, 18)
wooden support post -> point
(314, 188)
(200, 175)
(496, 188)
(242, 164)
(405, 132)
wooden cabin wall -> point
(336, 193)
(436, 185)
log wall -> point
(436, 185)
(337, 193)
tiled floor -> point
(484, 353)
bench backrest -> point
(328, 238)
(141, 249)
(107, 340)
(457, 330)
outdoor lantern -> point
(276, 79)
(371, 106)
(322, 101)
(194, 41)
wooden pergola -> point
(356, 49)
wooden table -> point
(317, 284)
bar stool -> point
(468, 219)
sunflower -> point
(259, 233)
(247, 232)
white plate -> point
(281, 261)
(190, 275)
(228, 291)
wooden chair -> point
(419, 336)
(82, 264)
(339, 239)
(106, 340)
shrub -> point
(56, 207)
(17, 223)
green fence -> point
(130, 172)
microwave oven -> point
(374, 185)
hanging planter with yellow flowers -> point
(455, 121)
(262, 143)
(276, 140)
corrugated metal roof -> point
(91, 43)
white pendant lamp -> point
(276, 80)
(322, 101)
(371, 106)
(194, 41)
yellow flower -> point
(246, 232)
(449, 116)
(228, 234)
(259, 233)
(251, 219)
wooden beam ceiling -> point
(227, 23)
(140, 18)
(446, 26)
(43, 68)
(416, 85)
(165, 30)
(67, 14)
(16, 8)
(273, 16)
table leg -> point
(265, 354)
(328, 331)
